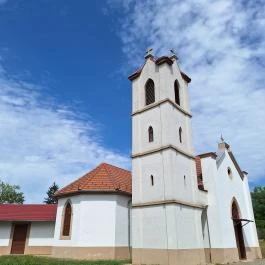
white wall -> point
(5, 230)
(167, 227)
(94, 221)
(122, 221)
(221, 191)
(41, 234)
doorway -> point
(19, 238)
(238, 231)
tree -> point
(258, 201)
(10, 193)
(50, 199)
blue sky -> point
(65, 101)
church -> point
(173, 208)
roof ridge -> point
(110, 175)
(116, 166)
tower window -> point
(180, 134)
(229, 172)
(149, 92)
(152, 180)
(150, 134)
(67, 219)
(176, 88)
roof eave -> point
(78, 192)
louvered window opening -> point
(149, 92)
(176, 86)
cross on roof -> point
(149, 52)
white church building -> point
(175, 207)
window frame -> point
(149, 92)
(62, 236)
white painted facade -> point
(98, 220)
(170, 215)
(222, 190)
(5, 231)
(158, 224)
(41, 234)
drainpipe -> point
(129, 227)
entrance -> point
(19, 239)
(238, 231)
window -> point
(67, 219)
(176, 88)
(180, 134)
(229, 172)
(150, 134)
(149, 92)
(152, 180)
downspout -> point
(129, 228)
(209, 235)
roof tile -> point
(28, 212)
(105, 177)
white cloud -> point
(42, 142)
(221, 46)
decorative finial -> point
(149, 53)
(222, 139)
(173, 54)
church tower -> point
(166, 207)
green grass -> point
(34, 260)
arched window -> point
(152, 180)
(67, 219)
(149, 92)
(180, 134)
(150, 134)
(229, 172)
(176, 88)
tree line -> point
(13, 194)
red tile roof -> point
(159, 61)
(104, 178)
(28, 212)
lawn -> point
(33, 260)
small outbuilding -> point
(27, 229)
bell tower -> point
(165, 208)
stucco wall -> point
(221, 190)
(94, 221)
(41, 234)
(5, 231)
(122, 227)
(167, 227)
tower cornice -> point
(162, 148)
(156, 104)
(166, 202)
